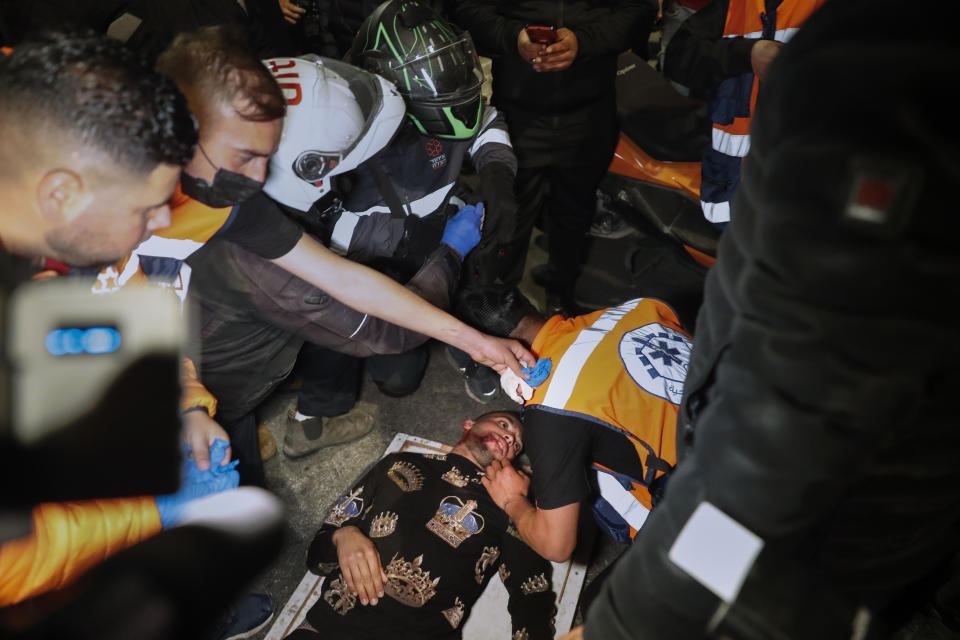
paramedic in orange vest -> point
(722, 52)
(600, 429)
(240, 111)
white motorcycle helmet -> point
(338, 116)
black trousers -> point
(331, 380)
(561, 159)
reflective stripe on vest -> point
(192, 224)
(566, 372)
(623, 502)
(716, 211)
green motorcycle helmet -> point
(432, 63)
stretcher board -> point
(489, 619)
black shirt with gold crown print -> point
(441, 538)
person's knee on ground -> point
(398, 375)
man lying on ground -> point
(418, 538)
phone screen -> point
(542, 35)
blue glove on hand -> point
(462, 232)
(195, 483)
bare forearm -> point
(536, 531)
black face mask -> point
(228, 188)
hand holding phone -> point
(542, 35)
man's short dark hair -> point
(219, 63)
(98, 93)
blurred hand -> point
(462, 232)
(199, 432)
(360, 564)
(291, 11)
(762, 54)
(574, 634)
(560, 54)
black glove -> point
(496, 190)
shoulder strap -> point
(385, 187)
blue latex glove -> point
(195, 483)
(462, 232)
(538, 372)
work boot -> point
(306, 436)
(268, 446)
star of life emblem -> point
(657, 358)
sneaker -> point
(245, 617)
(562, 304)
(481, 383)
(306, 436)
(484, 385)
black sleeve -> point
(559, 450)
(612, 31)
(493, 34)
(819, 411)
(259, 226)
(291, 303)
(700, 57)
(322, 554)
(528, 580)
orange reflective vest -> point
(733, 102)
(622, 368)
(160, 260)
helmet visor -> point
(443, 72)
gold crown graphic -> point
(504, 573)
(456, 478)
(454, 614)
(520, 634)
(408, 583)
(406, 476)
(383, 524)
(536, 584)
(455, 520)
(487, 558)
(348, 507)
(339, 597)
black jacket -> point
(603, 29)
(819, 410)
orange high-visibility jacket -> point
(734, 101)
(624, 368)
(68, 539)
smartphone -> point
(542, 35)
(66, 346)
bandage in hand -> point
(520, 390)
